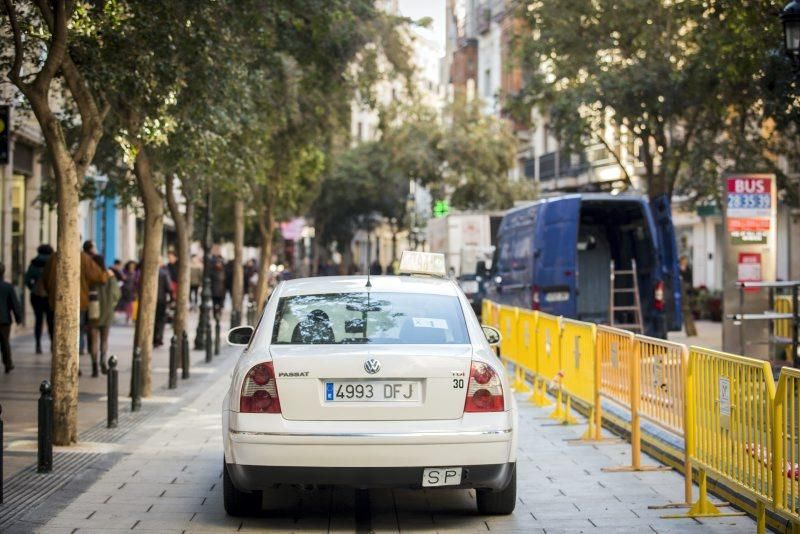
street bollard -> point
(45, 464)
(251, 312)
(216, 333)
(185, 356)
(136, 380)
(1, 454)
(236, 318)
(113, 392)
(173, 363)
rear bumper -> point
(258, 477)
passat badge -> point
(372, 366)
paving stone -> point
(560, 489)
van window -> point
(504, 256)
(523, 248)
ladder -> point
(630, 314)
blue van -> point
(555, 255)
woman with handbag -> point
(103, 300)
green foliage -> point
(685, 78)
(465, 158)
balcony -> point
(547, 166)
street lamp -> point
(790, 17)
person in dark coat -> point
(10, 308)
(218, 289)
(162, 299)
(34, 281)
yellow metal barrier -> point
(486, 312)
(577, 359)
(614, 354)
(729, 429)
(786, 447)
(509, 345)
(663, 367)
(548, 346)
(528, 355)
(581, 376)
(783, 327)
(508, 329)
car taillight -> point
(259, 391)
(484, 392)
(658, 296)
(535, 302)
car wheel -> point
(499, 502)
(238, 503)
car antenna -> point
(369, 259)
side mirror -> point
(240, 336)
(492, 335)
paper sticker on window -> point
(427, 322)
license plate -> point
(433, 477)
(373, 391)
(557, 296)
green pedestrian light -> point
(441, 208)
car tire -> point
(238, 503)
(499, 502)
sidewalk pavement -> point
(709, 335)
(19, 390)
(172, 482)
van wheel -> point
(499, 502)
(238, 503)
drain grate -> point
(28, 489)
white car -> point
(367, 382)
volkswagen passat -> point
(388, 381)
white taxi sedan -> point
(386, 381)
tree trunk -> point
(64, 373)
(151, 255)
(266, 227)
(183, 233)
(237, 283)
(316, 253)
(69, 169)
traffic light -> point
(441, 208)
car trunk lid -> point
(413, 382)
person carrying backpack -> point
(108, 295)
(34, 281)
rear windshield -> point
(376, 318)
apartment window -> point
(487, 83)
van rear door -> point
(668, 255)
(556, 255)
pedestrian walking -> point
(108, 294)
(34, 281)
(10, 308)
(91, 275)
(195, 280)
(218, 289)
(129, 289)
(687, 291)
(162, 300)
(116, 270)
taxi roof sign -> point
(429, 263)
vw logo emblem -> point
(372, 366)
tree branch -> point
(91, 116)
(57, 22)
(16, 68)
(616, 158)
